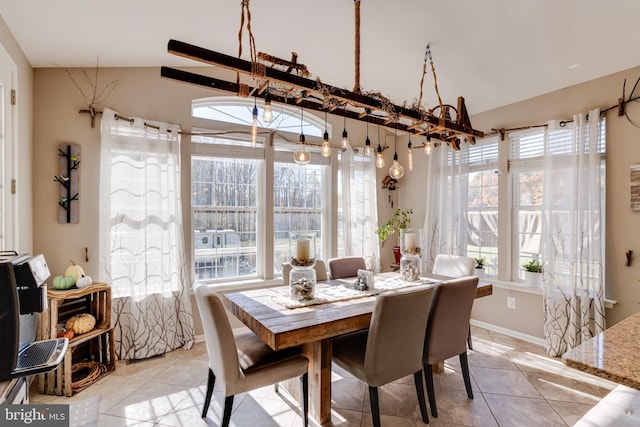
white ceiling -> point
(492, 52)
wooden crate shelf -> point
(96, 345)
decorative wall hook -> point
(628, 254)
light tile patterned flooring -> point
(514, 384)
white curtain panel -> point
(445, 229)
(141, 236)
(359, 207)
(572, 236)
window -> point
(241, 205)
(225, 209)
(482, 208)
(297, 202)
(526, 157)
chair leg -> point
(375, 407)
(276, 387)
(228, 406)
(304, 387)
(207, 400)
(428, 378)
(464, 364)
(417, 379)
(469, 343)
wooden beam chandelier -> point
(287, 82)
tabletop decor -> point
(302, 277)
(410, 262)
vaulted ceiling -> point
(492, 52)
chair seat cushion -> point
(253, 354)
(349, 351)
(620, 408)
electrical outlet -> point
(511, 303)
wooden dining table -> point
(311, 327)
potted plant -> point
(400, 219)
(479, 270)
(532, 273)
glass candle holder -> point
(410, 239)
(303, 249)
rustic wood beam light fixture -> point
(445, 122)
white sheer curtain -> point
(573, 226)
(445, 229)
(359, 207)
(141, 236)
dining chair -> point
(446, 332)
(319, 266)
(455, 266)
(345, 266)
(243, 363)
(392, 347)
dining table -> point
(282, 323)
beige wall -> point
(22, 123)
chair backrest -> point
(453, 265)
(346, 267)
(320, 267)
(396, 334)
(448, 325)
(218, 335)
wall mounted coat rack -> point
(68, 179)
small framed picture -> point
(365, 278)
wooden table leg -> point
(319, 354)
(438, 368)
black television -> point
(23, 293)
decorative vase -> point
(533, 279)
(410, 268)
(396, 254)
(302, 283)
(478, 272)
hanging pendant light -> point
(254, 126)
(267, 114)
(396, 171)
(301, 155)
(368, 151)
(379, 158)
(410, 151)
(345, 139)
(427, 145)
(326, 148)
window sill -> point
(243, 285)
(521, 287)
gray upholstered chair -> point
(447, 328)
(319, 266)
(243, 363)
(345, 267)
(392, 347)
(455, 266)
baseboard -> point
(509, 332)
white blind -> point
(484, 154)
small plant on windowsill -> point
(532, 270)
(479, 270)
(533, 266)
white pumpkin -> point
(84, 281)
(75, 271)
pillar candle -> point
(302, 249)
(410, 242)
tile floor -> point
(514, 384)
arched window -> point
(236, 110)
